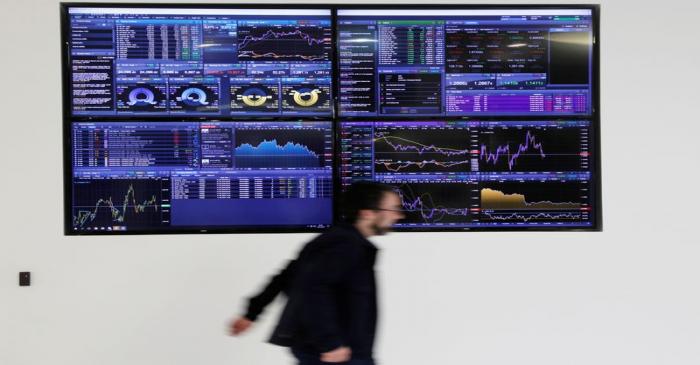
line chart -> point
(434, 202)
(283, 43)
(527, 217)
(280, 148)
(498, 200)
(538, 149)
(424, 151)
(99, 205)
(534, 202)
(510, 156)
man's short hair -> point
(362, 195)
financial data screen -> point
(456, 174)
(214, 118)
(161, 176)
(200, 62)
(459, 62)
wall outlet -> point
(25, 278)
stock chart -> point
(237, 118)
(168, 176)
(471, 174)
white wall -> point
(628, 295)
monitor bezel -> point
(68, 118)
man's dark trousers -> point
(314, 359)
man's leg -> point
(305, 358)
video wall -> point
(226, 119)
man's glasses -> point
(390, 210)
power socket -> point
(25, 278)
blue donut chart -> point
(194, 96)
(141, 96)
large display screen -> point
(200, 62)
(465, 62)
(165, 176)
(477, 174)
(252, 118)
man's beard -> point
(380, 231)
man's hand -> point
(341, 354)
(239, 326)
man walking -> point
(331, 311)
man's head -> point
(372, 207)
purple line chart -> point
(421, 150)
(283, 43)
(533, 147)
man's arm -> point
(279, 283)
(256, 304)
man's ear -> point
(364, 213)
